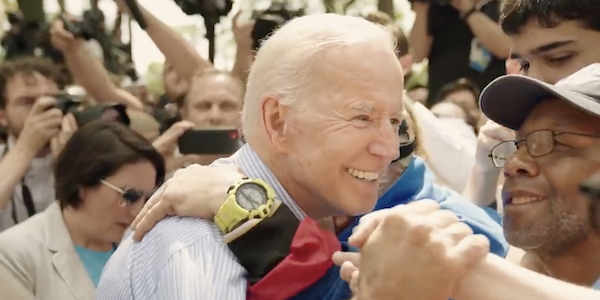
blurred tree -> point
(33, 10)
(153, 78)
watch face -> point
(251, 196)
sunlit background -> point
(148, 59)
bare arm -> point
(496, 279)
(243, 60)
(489, 33)
(88, 71)
(419, 38)
(93, 77)
(13, 167)
(179, 52)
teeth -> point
(363, 174)
(524, 200)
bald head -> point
(287, 65)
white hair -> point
(284, 63)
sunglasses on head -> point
(129, 195)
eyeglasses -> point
(129, 195)
(539, 143)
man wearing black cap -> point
(557, 148)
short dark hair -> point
(96, 151)
(28, 65)
(461, 84)
(514, 14)
(381, 18)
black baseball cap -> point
(509, 99)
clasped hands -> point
(416, 250)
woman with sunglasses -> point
(103, 176)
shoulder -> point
(22, 236)
(173, 248)
(169, 237)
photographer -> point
(461, 38)
(26, 111)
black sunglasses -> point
(129, 195)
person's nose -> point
(215, 115)
(521, 163)
(387, 143)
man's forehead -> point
(375, 106)
(558, 115)
(535, 39)
(30, 79)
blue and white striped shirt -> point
(185, 258)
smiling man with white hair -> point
(319, 131)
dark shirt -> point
(451, 47)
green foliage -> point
(153, 78)
(418, 77)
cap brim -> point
(509, 99)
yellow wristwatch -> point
(246, 199)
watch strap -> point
(230, 215)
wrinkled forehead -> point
(560, 116)
(368, 85)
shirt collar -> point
(252, 166)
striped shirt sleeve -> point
(205, 270)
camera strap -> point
(26, 194)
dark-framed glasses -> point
(538, 143)
(129, 195)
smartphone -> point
(196, 141)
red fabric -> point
(308, 260)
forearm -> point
(243, 61)
(481, 186)
(419, 38)
(489, 33)
(93, 77)
(177, 51)
(13, 167)
(496, 279)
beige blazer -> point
(39, 253)
(11, 289)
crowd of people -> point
(346, 184)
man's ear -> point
(274, 117)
